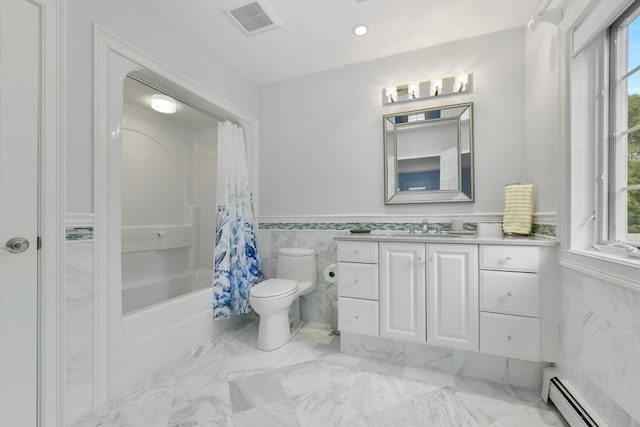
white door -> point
(19, 134)
(452, 296)
(449, 170)
(402, 291)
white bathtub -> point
(151, 292)
(156, 336)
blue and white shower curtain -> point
(237, 265)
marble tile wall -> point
(600, 345)
(315, 306)
(78, 332)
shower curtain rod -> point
(176, 97)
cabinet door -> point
(402, 291)
(452, 296)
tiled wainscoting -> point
(78, 324)
(314, 307)
(600, 345)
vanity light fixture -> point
(436, 87)
(163, 104)
(360, 30)
(460, 82)
(415, 90)
(392, 94)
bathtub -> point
(159, 334)
(151, 292)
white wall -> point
(158, 37)
(542, 114)
(321, 149)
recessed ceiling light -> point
(360, 30)
(163, 104)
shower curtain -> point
(237, 265)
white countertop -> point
(404, 236)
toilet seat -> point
(274, 288)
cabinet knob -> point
(357, 316)
(509, 338)
(356, 281)
(507, 259)
(355, 252)
(509, 294)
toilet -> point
(296, 275)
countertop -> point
(400, 236)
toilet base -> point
(273, 330)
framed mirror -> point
(428, 155)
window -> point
(623, 160)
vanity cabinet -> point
(452, 296)
(474, 296)
(402, 291)
(358, 288)
(510, 301)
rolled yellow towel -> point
(518, 209)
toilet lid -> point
(274, 288)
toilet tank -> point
(297, 264)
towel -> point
(518, 209)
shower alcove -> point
(168, 174)
(154, 215)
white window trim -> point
(584, 22)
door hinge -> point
(38, 243)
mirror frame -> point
(427, 196)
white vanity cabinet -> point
(402, 291)
(510, 301)
(474, 295)
(452, 296)
(358, 309)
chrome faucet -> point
(425, 226)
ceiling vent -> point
(255, 17)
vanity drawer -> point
(509, 258)
(510, 336)
(358, 252)
(510, 293)
(358, 280)
(358, 316)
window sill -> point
(608, 265)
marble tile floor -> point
(310, 383)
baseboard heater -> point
(571, 405)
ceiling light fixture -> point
(163, 104)
(360, 30)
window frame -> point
(583, 128)
(614, 219)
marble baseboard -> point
(502, 370)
